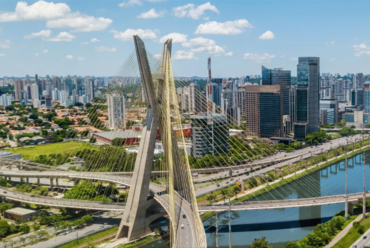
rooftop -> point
(20, 211)
(119, 134)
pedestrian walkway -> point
(342, 233)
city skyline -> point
(80, 39)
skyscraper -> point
(210, 135)
(89, 90)
(264, 110)
(307, 97)
(280, 77)
(35, 95)
(18, 87)
(116, 110)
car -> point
(218, 185)
(237, 171)
(365, 237)
(62, 234)
(105, 224)
(101, 226)
(182, 226)
(355, 246)
(15, 193)
(227, 182)
(184, 216)
(4, 192)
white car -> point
(182, 226)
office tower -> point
(89, 90)
(307, 97)
(55, 94)
(210, 135)
(329, 111)
(116, 110)
(214, 89)
(5, 100)
(280, 77)
(366, 97)
(63, 96)
(264, 110)
(358, 81)
(6, 81)
(24, 97)
(18, 87)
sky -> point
(94, 37)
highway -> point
(361, 241)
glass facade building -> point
(279, 77)
(308, 97)
(210, 135)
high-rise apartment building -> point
(367, 97)
(89, 90)
(5, 100)
(210, 135)
(24, 97)
(329, 111)
(264, 110)
(358, 81)
(116, 110)
(18, 87)
(307, 97)
(280, 77)
(35, 95)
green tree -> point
(260, 243)
(23, 119)
(292, 244)
(87, 218)
(24, 228)
(34, 116)
(361, 229)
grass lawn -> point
(353, 234)
(30, 152)
(91, 238)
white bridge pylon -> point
(178, 198)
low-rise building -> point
(20, 213)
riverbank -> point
(296, 172)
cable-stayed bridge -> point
(175, 193)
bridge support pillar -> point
(10, 167)
(51, 183)
(57, 181)
(350, 207)
(75, 181)
(38, 181)
(241, 186)
(231, 173)
(27, 180)
(306, 164)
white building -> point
(35, 95)
(116, 110)
(89, 90)
(5, 100)
(83, 99)
(55, 94)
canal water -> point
(279, 226)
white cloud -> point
(332, 59)
(156, 1)
(5, 44)
(330, 43)
(361, 49)
(130, 3)
(209, 49)
(268, 35)
(129, 33)
(45, 51)
(42, 33)
(57, 15)
(295, 58)
(225, 28)
(94, 40)
(152, 14)
(2, 55)
(40, 10)
(84, 43)
(62, 36)
(200, 41)
(229, 54)
(80, 23)
(69, 57)
(189, 10)
(282, 56)
(37, 54)
(259, 58)
(81, 58)
(157, 56)
(176, 38)
(179, 55)
(105, 49)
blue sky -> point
(56, 37)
